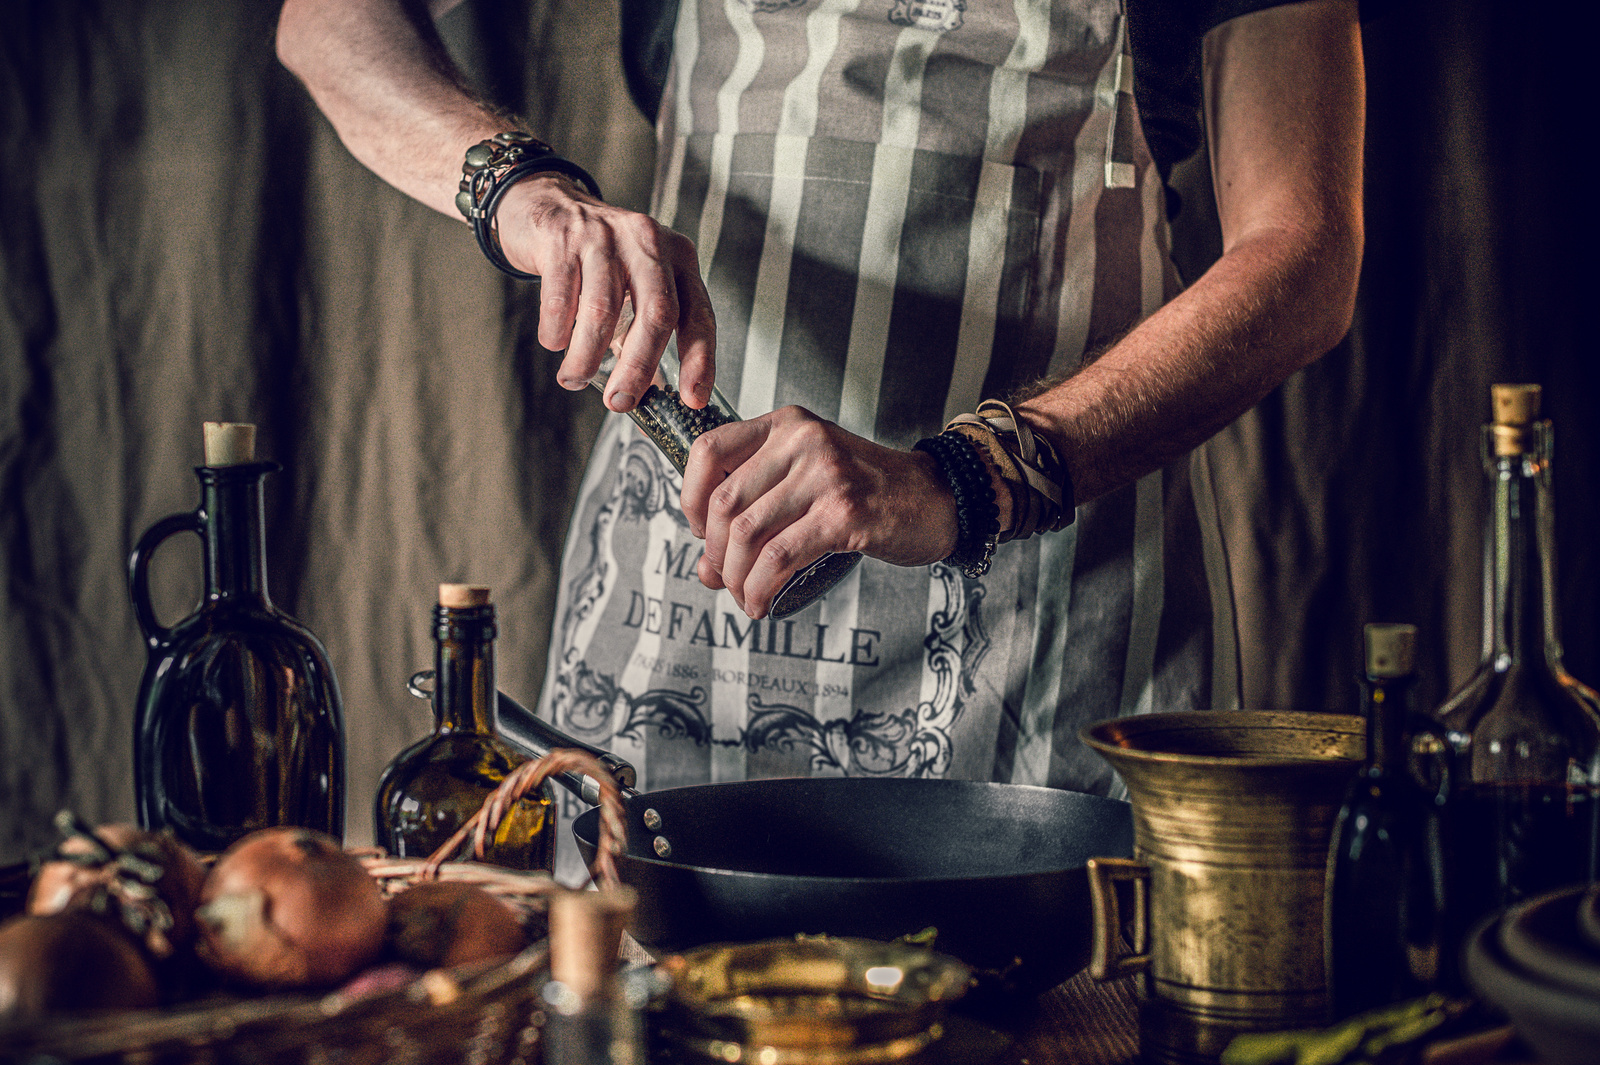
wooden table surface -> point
(1082, 1022)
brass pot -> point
(1232, 816)
(819, 1000)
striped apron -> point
(901, 207)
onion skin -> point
(440, 924)
(287, 908)
(62, 962)
(63, 885)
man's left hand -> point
(775, 493)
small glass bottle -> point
(1384, 862)
(673, 426)
(238, 724)
(1524, 733)
(591, 1017)
(435, 785)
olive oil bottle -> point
(434, 786)
(1526, 735)
(238, 724)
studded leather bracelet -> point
(493, 166)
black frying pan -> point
(997, 869)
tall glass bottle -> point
(1525, 733)
(238, 724)
(1384, 864)
(436, 784)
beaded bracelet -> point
(977, 516)
(493, 166)
(1042, 496)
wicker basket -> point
(476, 1015)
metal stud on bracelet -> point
(493, 166)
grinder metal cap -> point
(1516, 413)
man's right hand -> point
(379, 71)
(592, 258)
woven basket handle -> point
(519, 782)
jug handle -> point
(1108, 962)
(139, 570)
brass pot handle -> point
(1108, 962)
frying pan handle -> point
(1108, 962)
(538, 738)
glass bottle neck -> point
(1522, 615)
(1386, 703)
(235, 533)
(464, 696)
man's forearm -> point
(379, 72)
(1273, 304)
(1284, 113)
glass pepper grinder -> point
(673, 426)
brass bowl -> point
(820, 1000)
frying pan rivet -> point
(663, 848)
(652, 821)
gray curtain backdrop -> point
(183, 238)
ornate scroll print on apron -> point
(901, 207)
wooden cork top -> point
(1516, 411)
(1391, 650)
(458, 596)
(585, 935)
(1515, 404)
(230, 443)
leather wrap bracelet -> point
(1042, 497)
(493, 166)
(977, 516)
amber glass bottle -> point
(238, 723)
(435, 785)
(1525, 733)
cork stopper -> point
(1391, 650)
(1515, 404)
(585, 936)
(1516, 412)
(230, 443)
(460, 596)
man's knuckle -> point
(659, 316)
(723, 500)
(745, 528)
(778, 554)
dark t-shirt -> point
(1163, 34)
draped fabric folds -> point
(183, 238)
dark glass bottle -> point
(238, 724)
(1384, 895)
(1525, 734)
(434, 786)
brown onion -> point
(51, 963)
(445, 923)
(288, 908)
(149, 880)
